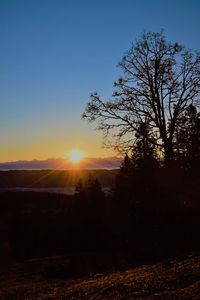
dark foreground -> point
(49, 278)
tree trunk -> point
(168, 150)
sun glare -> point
(75, 156)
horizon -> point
(56, 53)
(63, 164)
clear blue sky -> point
(54, 53)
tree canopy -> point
(159, 81)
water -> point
(60, 190)
(65, 190)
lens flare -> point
(75, 156)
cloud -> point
(62, 164)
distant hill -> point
(62, 164)
(53, 178)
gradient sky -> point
(54, 53)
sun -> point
(75, 156)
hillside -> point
(49, 278)
(53, 178)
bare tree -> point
(160, 80)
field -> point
(49, 278)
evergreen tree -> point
(79, 188)
(124, 180)
(188, 137)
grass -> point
(51, 278)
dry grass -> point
(49, 279)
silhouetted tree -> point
(144, 151)
(188, 137)
(92, 188)
(91, 196)
(160, 80)
(124, 180)
(79, 188)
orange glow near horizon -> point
(45, 149)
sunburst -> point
(75, 156)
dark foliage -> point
(153, 210)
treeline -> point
(36, 224)
(152, 211)
(156, 203)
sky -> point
(55, 53)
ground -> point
(49, 278)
